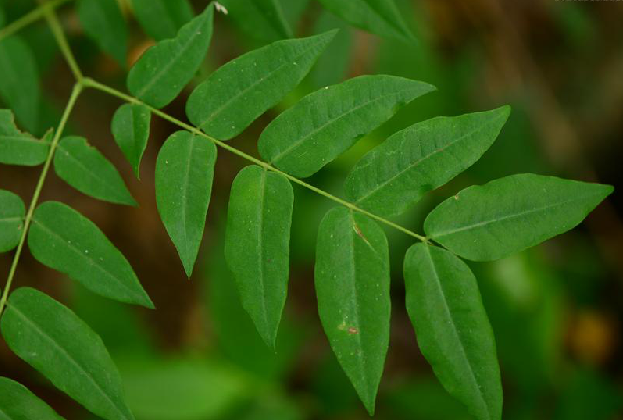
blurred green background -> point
(555, 309)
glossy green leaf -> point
(352, 284)
(53, 340)
(161, 19)
(87, 170)
(130, 128)
(184, 174)
(377, 16)
(484, 223)
(103, 22)
(18, 148)
(243, 89)
(18, 403)
(452, 328)
(257, 244)
(166, 68)
(259, 19)
(64, 240)
(306, 137)
(12, 212)
(19, 84)
(396, 174)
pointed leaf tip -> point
(452, 327)
(352, 284)
(184, 175)
(257, 245)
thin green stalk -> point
(29, 18)
(88, 82)
(35, 197)
(61, 40)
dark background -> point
(556, 309)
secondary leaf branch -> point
(88, 82)
(35, 198)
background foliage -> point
(555, 309)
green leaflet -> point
(484, 223)
(87, 170)
(184, 174)
(259, 19)
(452, 328)
(53, 340)
(396, 174)
(166, 68)
(64, 240)
(103, 22)
(19, 84)
(243, 89)
(377, 16)
(306, 137)
(18, 403)
(2, 19)
(130, 128)
(12, 212)
(257, 245)
(161, 19)
(352, 284)
(17, 148)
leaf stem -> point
(29, 18)
(88, 82)
(61, 40)
(35, 198)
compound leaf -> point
(17, 148)
(64, 240)
(166, 68)
(306, 137)
(130, 128)
(257, 244)
(243, 89)
(161, 19)
(103, 22)
(184, 175)
(19, 84)
(377, 16)
(260, 19)
(510, 214)
(396, 174)
(53, 340)
(18, 403)
(352, 284)
(452, 327)
(87, 170)
(12, 212)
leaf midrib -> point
(260, 247)
(510, 216)
(68, 356)
(355, 294)
(454, 328)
